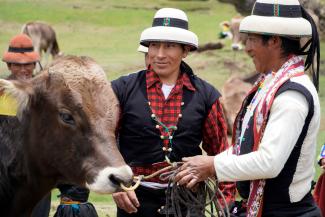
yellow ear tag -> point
(8, 105)
(225, 28)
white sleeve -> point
(286, 120)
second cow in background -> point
(44, 39)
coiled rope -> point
(201, 202)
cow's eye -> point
(67, 118)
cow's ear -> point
(14, 97)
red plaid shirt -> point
(168, 112)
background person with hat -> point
(74, 202)
(166, 112)
(20, 57)
(276, 129)
(21, 60)
(144, 50)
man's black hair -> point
(288, 45)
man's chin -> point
(160, 72)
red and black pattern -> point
(150, 169)
(215, 131)
(168, 112)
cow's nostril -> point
(116, 180)
(235, 48)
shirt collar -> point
(152, 78)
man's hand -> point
(127, 201)
(195, 169)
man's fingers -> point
(123, 201)
(133, 198)
(185, 179)
(180, 174)
(192, 183)
(118, 198)
(128, 202)
(185, 159)
(189, 159)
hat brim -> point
(282, 26)
(142, 49)
(169, 34)
(21, 58)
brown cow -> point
(234, 91)
(238, 39)
(64, 131)
(44, 39)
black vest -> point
(139, 141)
(277, 189)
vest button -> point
(157, 126)
(164, 148)
(182, 103)
(180, 115)
(162, 137)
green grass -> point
(109, 31)
(105, 30)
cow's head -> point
(238, 39)
(234, 92)
(69, 113)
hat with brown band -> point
(21, 51)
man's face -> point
(22, 71)
(259, 52)
(165, 57)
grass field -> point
(109, 31)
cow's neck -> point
(26, 198)
(19, 189)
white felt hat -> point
(171, 25)
(277, 17)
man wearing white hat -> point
(275, 132)
(166, 112)
(144, 50)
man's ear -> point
(275, 42)
(186, 50)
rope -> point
(138, 179)
(204, 201)
(201, 202)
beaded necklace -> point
(168, 130)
